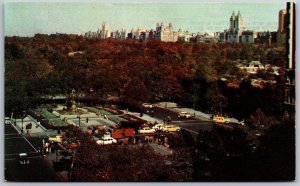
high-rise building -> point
(165, 33)
(282, 26)
(237, 26)
(105, 31)
(289, 89)
(282, 21)
(237, 22)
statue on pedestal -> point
(71, 101)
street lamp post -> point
(22, 124)
(24, 114)
(78, 116)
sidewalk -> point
(36, 127)
(144, 117)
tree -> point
(221, 155)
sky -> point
(26, 19)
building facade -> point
(105, 31)
(237, 26)
(247, 37)
(289, 88)
(282, 26)
(165, 33)
(237, 32)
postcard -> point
(149, 92)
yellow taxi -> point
(57, 139)
(219, 119)
(170, 128)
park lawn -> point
(58, 122)
(47, 114)
(98, 111)
(116, 119)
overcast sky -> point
(26, 19)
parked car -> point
(146, 130)
(7, 120)
(106, 141)
(147, 105)
(106, 135)
(23, 159)
(184, 115)
(158, 127)
(171, 128)
(56, 139)
(220, 119)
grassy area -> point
(110, 116)
(47, 114)
(52, 118)
(98, 111)
(116, 119)
(83, 122)
(59, 122)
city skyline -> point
(27, 19)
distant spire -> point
(239, 14)
(233, 14)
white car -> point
(147, 105)
(158, 127)
(106, 141)
(184, 115)
(146, 130)
(7, 120)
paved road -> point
(190, 124)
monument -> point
(71, 101)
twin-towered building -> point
(237, 32)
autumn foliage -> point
(130, 70)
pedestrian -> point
(87, 120)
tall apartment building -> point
(165, 33)
(119, 34)
(105, 31)
(282, 26)
(237, 26)
(289, 88)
